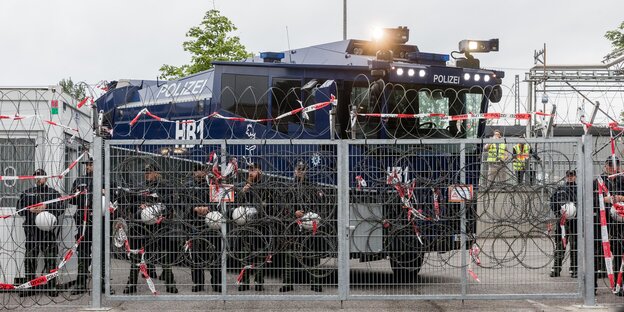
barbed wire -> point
(410, 226)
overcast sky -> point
(45, 41)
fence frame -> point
(585, 246)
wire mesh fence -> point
(420, 219)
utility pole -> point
(344, 19)
(517, 97)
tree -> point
(210, 41)
(616, 37)
(77, 91)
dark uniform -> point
(37, 240)
(206, 243)
(256, 247)
(562, 195)
(302, 247)
(143, 235)
(84, 204)
(615, 228)
(522, 154)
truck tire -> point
(406, 266)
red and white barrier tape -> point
(142, 265)
(29, 177)
(616, 127)
(50, 122)
(146, 276)
(562, 223)
(42, 280)
(17, 117)
(57, 176)
(604, 232)
(417, 233)
(303, 110)
(612, 125)
(474, 257)
(87, 100)
(44, 203)
(188, 245)
(618, 284)
(239, 278)
(360, 182)
(436, 203)
(314, 225)
(519, 116)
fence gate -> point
(341, 220)
(437, 219)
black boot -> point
(81, 280)
(131, 287)
(167, 275)
(151, 271)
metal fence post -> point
(464, 264)
(343, 219)
(96, 250)
(223, 159)
(588, 220)
(107, 217)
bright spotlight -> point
(378, 34)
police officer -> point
(304, 197)
(156, 195)
(563, 195)
(615, 186)
(84, 209)
(521, 159)
(37, 240)
(206, 247)
(496, 156)
(254, 194)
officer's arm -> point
(55, 208)
(555, 202)
(534, 154)
(74, 188)
(21, 204)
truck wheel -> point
(406, 266)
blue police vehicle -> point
(376, 85)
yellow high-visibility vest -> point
(496, 152)
(522, 155)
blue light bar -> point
(431, 57)
(272, 56)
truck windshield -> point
(416, 99)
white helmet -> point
(214, 220)
(119, 234)
(45, 221)
(569, 209)
(308, 220)
(150, 214)
(617, 212)
(243, 214)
